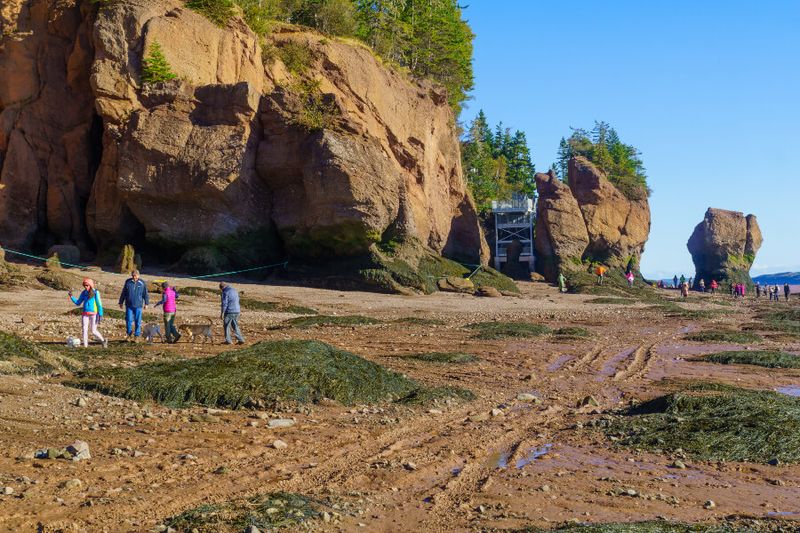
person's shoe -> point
(105, 343)
(177, 338)
(227, 342)
(128, 337)
(239, 342)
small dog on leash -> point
(149, 331)
(198, 330)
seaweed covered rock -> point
(724, 246)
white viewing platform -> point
(513, 220)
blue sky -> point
(708, 91)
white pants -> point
(86, 321)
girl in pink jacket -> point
(168, 300)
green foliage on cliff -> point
(430, 38)
(496, 164)
(602, 146)
(155, 67)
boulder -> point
(560, 238)
(488, 292)
(455, 284)
(67, 253)
(724, 245)
(618, 227)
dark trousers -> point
(231, 320)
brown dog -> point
(198, 330)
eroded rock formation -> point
(587, 220)
(724, 246)
(223, 154)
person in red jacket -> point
(714, 286)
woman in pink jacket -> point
(168, 300)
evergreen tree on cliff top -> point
(602, 146)
(495, 164)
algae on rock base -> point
(273, 373)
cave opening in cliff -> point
(95, 144)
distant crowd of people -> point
(737, 290)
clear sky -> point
(708, 91)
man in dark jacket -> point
(786, 291)
(230, 313)
(135, 298)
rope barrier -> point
(83, 267)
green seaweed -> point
(739, 337)
(765, 358)
(502, 330)
(716, 422)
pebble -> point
(252, 529)
(81, 402)
(496, 412)
(679, 465)
(71, 484)
(79, 450)
(709, 505)
(278, 444)
(8, 491)
(545, 488)
(281, 423)
(409, 466)
(527, 397)
(326, 516)
(434, 411)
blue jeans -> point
(133, 315)
(231, 320)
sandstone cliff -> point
(724, 246)
(587, 220)
(320, 161)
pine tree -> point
(564, 155)
(520, 168)
(155, 67)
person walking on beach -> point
(92, 311)
(758, 289)
(714, 286)
(230, 313)
(629, 276)
(135, 298)
(675, 281)
(601, 272)
(685, 289)
(702, 285)
(169, 301)
(562, 282)
(786, 291)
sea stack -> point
(724, 246)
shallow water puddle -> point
(790, 390)
(533, 454)
(558, 363)
(610, 368)
(783, 513)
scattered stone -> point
(679, 465)
(709, 504)
(774, 462)
(281, 423)
(326, 516)
(528, 397)
(278, 444)
(8, 491)
(71, 484)
(434, 411)
(496, 412)
(589, 401)
(81, 402)
(251, 529)
(481, 417)
(544, 488)
(630, 492)
(79, 450)
(204, 417)
(488, 292)
(408, 465)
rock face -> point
(226, 153)
(560, 235)
(724, 246)
(589, 219)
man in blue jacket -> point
(230, 313)
(134, 296)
